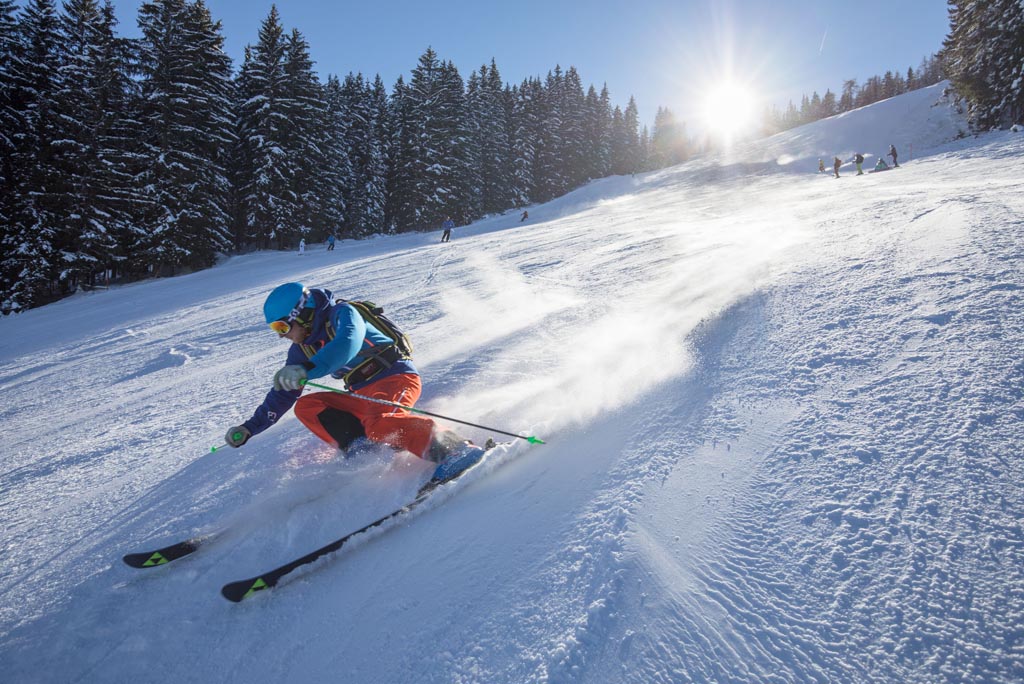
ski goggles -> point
(283, 326)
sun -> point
(730, 110)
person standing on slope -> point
(332, 338)
(859, 159)
(892, 153)
(836, 163)
(447, 225)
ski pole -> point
(531, 440)
(237, 435)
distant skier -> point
(330, 242)
(892, 153)
(302, 246)
(525, 216)
(859, 159)
(821, 166)
(448, 224)
(880, 165)
(331, 337)
(836, 163)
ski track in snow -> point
(881, 530)
(782, 414)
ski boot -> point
(453, 455)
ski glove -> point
(290, 378)
(237, 436)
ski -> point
(243, 589)
(163, 556)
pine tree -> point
(432, 140)
(626, 153)
(376, 175)
(637, 151)
(476, 126)
(815, 110)
(573, 115)
(119, 132)
(452, 142)
(364, 150)
(405, 165)
(618, 142)
(665, 141)
(94, 99)
(492, 143)
(849, 96)
(805, 111)
(526, 126)
(11, 124)
(984, 58)
(828, 105)
(238, 164)
(316, 180)
(598, 139)
(549, 176)
(30, 263)
(791, 117)
(188, 125)
(338, 154)
(266, 194)
(421, 99)
(889, 86)
(643, 150)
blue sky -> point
(664, 53)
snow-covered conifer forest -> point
(123, 159)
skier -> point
(333, 338)
(880, 165)
(859, 159)
(302, 246)
(525, 216)
(892, 153)
(448, 224)
(836, 163)
(821, 166)
(330, 242)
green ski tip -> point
(535, 440)
(258, 585)
(155, 559)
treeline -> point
(852, 96)
(984, 59)
(125, 158)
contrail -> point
(823, 37)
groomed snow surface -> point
(783, 416)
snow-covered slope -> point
(782, 413)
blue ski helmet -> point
(286, 302)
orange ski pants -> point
(387, 424)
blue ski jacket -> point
(334, 357)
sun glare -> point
(729, 110)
